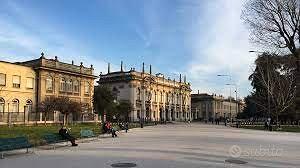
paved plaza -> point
(173, 145)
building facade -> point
(17, 92)
(210, 107)
(31, 82)
(153, 97)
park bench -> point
(86, 133)
(9, 144)
(53, 138)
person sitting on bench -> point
(104, 128)
(64, 133)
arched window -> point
(15, 105)
(161, 97)
(49, 83)
(76, 86)
(29, 106)
(2, 105)
(155, 96)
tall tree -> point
(276, 23)
(123, 110)
(251, 110)
(274, 84)
(67, 106)
(103, 100)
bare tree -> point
(67, 106)
(274, 22)
(47, 106)
(278, 79)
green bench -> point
(53, 138)
(86, 133)
(9, 144)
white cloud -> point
(25, 35)
(220, 45)
(213, 35)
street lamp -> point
(232, 84)
(229, 93)
(268, 81)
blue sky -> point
(198, 38)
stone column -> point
(152, 111)
(180, 107)
(26, 114)
(143, 110)
(132, 99)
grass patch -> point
(283, 128)
(35, 132)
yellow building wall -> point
(9, 93)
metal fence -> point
(56, 117)
(12, 117)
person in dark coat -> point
(104, 128)
(126, 127)
(65, 134)
(113, 130)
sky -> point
(197, 38)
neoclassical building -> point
(210, 107)
(23, 85)
(153, 97)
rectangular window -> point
(49, 84)
(87, 88)
(76, 86)
(16, 81)
(62, 85)
(69, 85)
(2, 79)
(29, 83)
(138, 114)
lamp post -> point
(236, 104)
(229, 95)
(268, 81)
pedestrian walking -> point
(126, 127)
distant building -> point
(210, 107)
(153, 97)
(23, 85)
